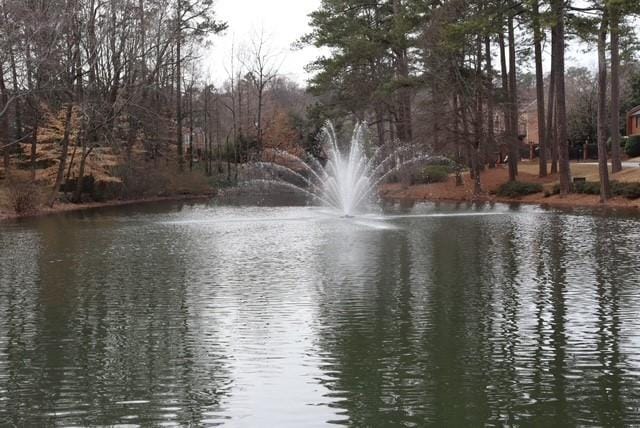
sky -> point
(283, 22)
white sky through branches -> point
(285, 21)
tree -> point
(614, 20)
(557, 61)
(514, 141)
(602, 109)
(73, 89)
(368, 74)
(262, 66)
(537, 44)
(194, 19)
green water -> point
(290, 317)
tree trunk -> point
(405, 132)
(259, 120)
(490, 140)
(616, 163)
(550, 133)
(602, 110)
(77, 195)
(228, 155)
(34, 145)
(32, 100)
(207, 149)
(542, 137)
(4, 124)
(63, 155)
(478, 134)
(17, 105)
(514, 146)
(560, 103)
(456, 136)
(178, 78)
(191, 128)
(505, 90)
(380, 124)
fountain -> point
(348, 180)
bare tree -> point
(262, 65)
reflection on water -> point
(248, 316)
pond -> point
(279, 316)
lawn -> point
(589, 171)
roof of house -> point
(634, 111)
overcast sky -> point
(285, 21)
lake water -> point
(291, 316)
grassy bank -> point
(21, 196)
(494, 179)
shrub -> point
(137, 181)
(632, 147)
(516, 189)
(23, 197)
(587, 187)
(626, 190)
(188, 183)
(432, 174)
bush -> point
(516, 189)
(625, 190)
(23, 197)
(432, 174)
(632, 147)
(137, 181)
(587, 187)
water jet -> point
(348, 179)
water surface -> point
(292, 316)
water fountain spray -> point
(348, 179)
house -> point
(529, 116)
(633, 121)
(199, 147)
(524, 126)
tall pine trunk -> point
(558, 39)
(542, 136)
(477, 123)
(505, 90)
(602, 110)
(514, 141)
(616, 163)
(490, 143)
(550, 132)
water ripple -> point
(249, 316)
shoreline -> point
(493, 179)
(62, 208)
(415, 194)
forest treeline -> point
(118, 88)
(456, 75)
(121, 84)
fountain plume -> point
(349, 178)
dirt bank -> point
(69, 207)
(492, 179)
